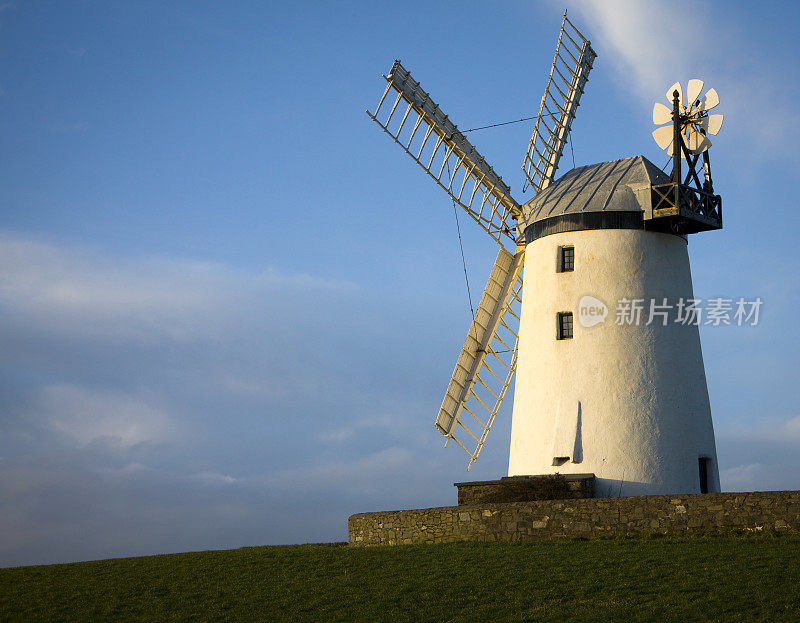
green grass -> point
(649, 579)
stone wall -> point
(526, 489)
(713, 513)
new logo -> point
(591, 311)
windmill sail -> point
(426, 134)
(568, 76)
(485, 368)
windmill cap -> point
(614, 186)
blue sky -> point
(229, 305)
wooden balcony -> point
(685, 209)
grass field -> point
(651, 579)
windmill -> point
(614, 401)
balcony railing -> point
(689, 208)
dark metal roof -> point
(619, 185)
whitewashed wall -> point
(627, 403)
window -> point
(704, 461)
(566, 259)
(560, 460)
(564, 326)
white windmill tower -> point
(627, 402)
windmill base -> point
(526, 489)
(710, 513)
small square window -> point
(564, 326)
(566, 259)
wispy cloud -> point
(163, 392)
(362, 473)
(215, 478)
(84, 416)
(650, 48)
(79, 293)
(742, 477)
(778, 430)
(761, 455)
(644, 41)
(374, 425)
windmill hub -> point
(616, 394)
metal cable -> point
(494, 125)
(461, 246)
(572, 150)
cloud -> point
(375, 425)
(644, 40)
(760, 456)
(777, 430)
(202, 337)
(158, 404)
(362, 473)
(215, 478)
(71, 291)
(650, 49)
(84, 416)
(64, 507)
(742, 477)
